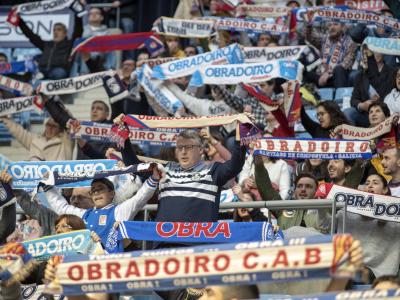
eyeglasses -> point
(186, 147)
(63, 226)
(98, 191)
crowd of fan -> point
(213, 152)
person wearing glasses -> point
(104, 214)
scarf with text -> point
(184, 28)
(247, 73)
(347, 295)
(36, 292)
(23, 66)
(20, 104)
(386, 208)
(60, 178)
(263, 11)
(389, 46)
(262, 54)
(27, 174)
(158, 61)
(350, 16)
(247, 130)
(43, 7)
(359, 133)
(15, 86)
(109, 80)
(156, 89)
(177, 268)
(186, 66)
(241, 25)
(100, 132)
(6, 195)
(71, 243)
(217, 232)
(291, 148)
(127, 41)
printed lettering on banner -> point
(27, 175)
(242, 263)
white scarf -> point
(184, 28)
(20, 104)
(261, 54)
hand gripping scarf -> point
(242, 263)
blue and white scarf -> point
(62, 178)
(207, 232)
(74, 242)
(291, 148)
(19, 104)
(18, 66)
(247, 25)
(389, 46)
(186, 66)
(155, 88)
(28, 174)
(247, 73)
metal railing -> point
(274, 205)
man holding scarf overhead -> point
(54, 62)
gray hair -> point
(190, 134)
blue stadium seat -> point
(326, 93)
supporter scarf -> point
(292, 103)
(262, 54)
(15, 264)
(15, 86)
(158, 61)
(155, 88)
(359, 133)
(74, 242)
(27, 174)
(243, 263)
(246, 134)
(42, 7)
(389, 46)
(375, 206)
(186, 66)
(350, 16)
(266, 102)
(61, 178)
(217, 232)
(263, 11)
(114, 88)
(18, 66)
(184, 28)
(291, 148)
(347, 295)
(73, 84)
(233, 24)
(20, 104)
(247, 73)
(6, 194)
(35, 292)
(100, 132)
(107, 43)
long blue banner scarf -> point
(186, 66)
(18, 66)
(100, 132)
(71, 243)
(57, 178)
(292, 148)
(216, 264)
(350, 16)
(389, 46)
(217, 232)
(247, 73)
(345, 295)
(28, 174)
(155, 88)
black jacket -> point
(53, 54)
(314, 128)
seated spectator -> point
(317, 167)
(377, 113)
(54, 62)
(247, 214)
(392, 99)
(53, 144)
(329, 116)
(174, 47)
(95, 27)
(338, 54)
(190, 50)
(391, 166)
